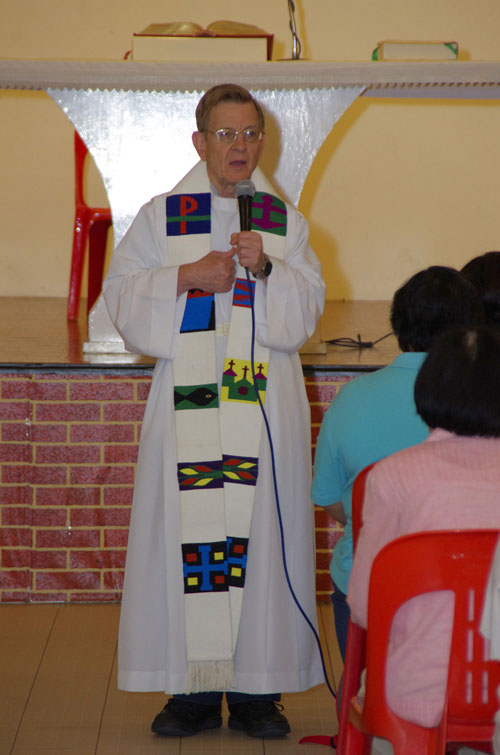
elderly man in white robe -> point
(207, 608)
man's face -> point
(229, 163)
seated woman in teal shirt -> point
(374, 415)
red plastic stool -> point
(91, 227)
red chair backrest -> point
(355, 650)
(358, 494)
(80, 155)
(447, 560)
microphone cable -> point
(275, 484)
(352, 343)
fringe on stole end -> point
(210, 676)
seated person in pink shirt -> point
(451, 480)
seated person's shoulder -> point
(354, 389)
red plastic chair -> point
(90, 228)
(358, 494)
(355, 648)
(459, 561)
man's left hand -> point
(249, 249)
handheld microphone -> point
(244, 191)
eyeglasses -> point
(229, 135)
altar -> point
(72, 400)
(136, 120)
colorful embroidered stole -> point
(218, 437)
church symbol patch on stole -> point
(243, 295)
(205, 567)
(214, 567)
(199, 312)
(188, 214)
(268, 214)
(200, 475)
(242, 470)
(196, 396)
(237, 381)
(237, 548)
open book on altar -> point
(219, 42)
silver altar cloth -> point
(141, 143)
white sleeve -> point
(289, 303)
(140, 288)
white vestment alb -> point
(276, 650)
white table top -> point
(442, 79)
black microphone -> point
(244, 191)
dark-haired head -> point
(225, 93)
(484, 273)
(457, 387)
(431, 301)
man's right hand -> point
(215, 273)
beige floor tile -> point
(63, 712)
(24, 631)
(58, 692)
(126, 723)
(330, 644)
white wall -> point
(398, 185)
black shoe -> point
(180, 718)
(259, 718)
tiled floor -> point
(58, 692)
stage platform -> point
(70, 426)
(35, 332)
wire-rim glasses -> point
(230, 135)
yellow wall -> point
(398, 185)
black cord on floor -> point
(352, 343)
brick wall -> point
(68, 449)
(321, 389)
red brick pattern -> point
(68, 448)
(321, 389)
